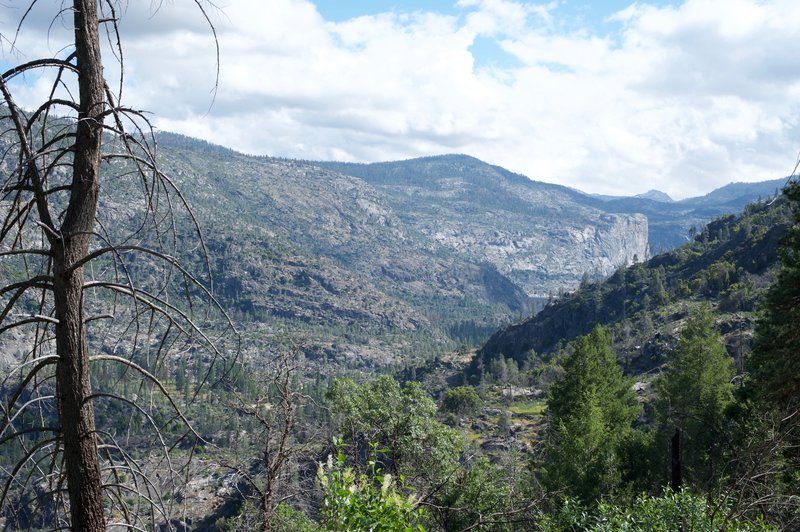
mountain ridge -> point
(364, 267)
(727, 265)
(495, 215)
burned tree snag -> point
(675, 469)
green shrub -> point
(461, 400)
(671, 511)
(356, 501)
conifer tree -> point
(590, 411)
(775, 363)
(692, 394)
(768, 468)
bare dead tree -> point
(274, 410)
(763, 468)
(93, 277)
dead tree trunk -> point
(69, 245)
(49, 231)
(676, 476)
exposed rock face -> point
(301, 251)
(543, 258)
(619, 239)
(540, 236)
(382, 261)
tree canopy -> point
(589, 413)
(692, 395)
(776, 358)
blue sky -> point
(610, 97)
(578, 15)
(343, 10)
(592, 13)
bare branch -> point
(149, 377)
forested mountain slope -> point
(320, 257)
(670, 222)
(729, 263)
(387, 262)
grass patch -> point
(528, 408)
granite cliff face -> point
(670, 222)
(544, 257)
(536, 234)
(615, 240)
(727, 266)
(367, 265)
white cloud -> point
(681, 98)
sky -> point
(610, 97)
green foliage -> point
(463, 492)
(506, 370)
(718, 276)
(461, 400)
(740, 296)
(590, 411)
(775, 362)
(592, 370)
(365, 502)
(480, 496)
(284, 519)
(401, 420)
(770, 428)
(666, 513)
(287, 519)
(581, 456)
(693, 393)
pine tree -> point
(692, 394)
(590, 411)
(775, 362)
(769, 468)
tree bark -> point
(73, 384)
(676, 476)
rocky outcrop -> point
(540, 236)
(382, 260)
(301, 251)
